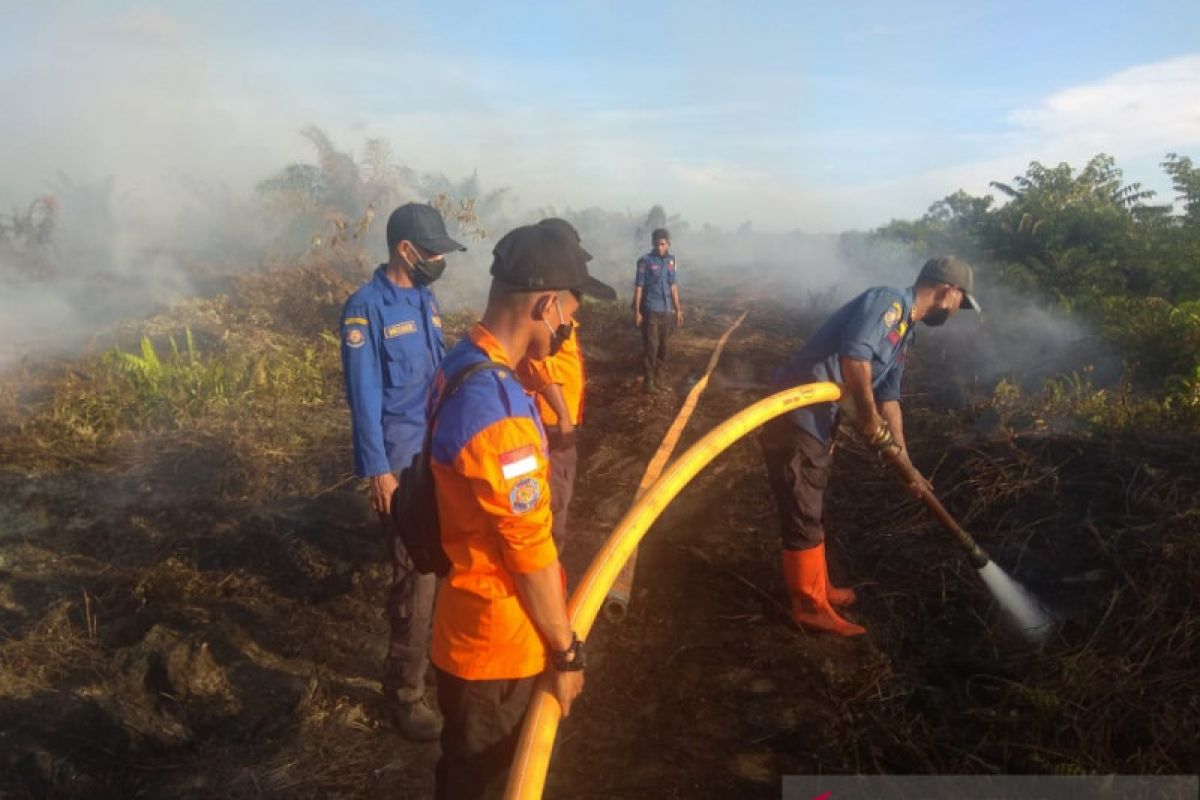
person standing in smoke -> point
(501, 614)
(862, 347)
(391, 341)
(656, 307)
(557, 382)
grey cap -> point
(954, 271)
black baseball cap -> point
(541, 258)
(954, 271)
(560, 224)
(421, 224)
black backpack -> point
(414, 503)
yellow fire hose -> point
(617, 601)
(527, 777)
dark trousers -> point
(482, 724)
(409, 608)
(798, 469)
(563, 462)
(656, 330)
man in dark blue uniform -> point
(656, 307)
(862, 347)
(391, 347)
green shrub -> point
(177, 386)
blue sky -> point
(817, 116)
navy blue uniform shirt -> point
(656, 276)
(392, 345)
(877, 327)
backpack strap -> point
(453, 384)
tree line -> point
(1092, 245)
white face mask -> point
(558, 335)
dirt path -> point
(704, 689)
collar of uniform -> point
(391, 292)
(910, 300)
(482, 338)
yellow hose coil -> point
(527, 777)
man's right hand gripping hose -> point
(883, 441)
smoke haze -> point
(152, 124)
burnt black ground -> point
(169, 633)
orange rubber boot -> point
(838, 598)
(804, 573)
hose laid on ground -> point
(527, 777)
(618, 597)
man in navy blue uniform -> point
(862, 347)
(392, 345)
(656, 307)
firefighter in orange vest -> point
(558, 382)
(500, 619)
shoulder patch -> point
(355, 338)
(355, 321)
(437, 321)
(524, 496)
(518, 462)
(399, 329)
(893, 315)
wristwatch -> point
(570, 660)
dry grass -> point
(233, 528)
(59, 644)
(1103, 530)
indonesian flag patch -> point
(516, 463)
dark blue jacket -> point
(391, 346)
(656, 276)
(877, 327)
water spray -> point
(1033, 622)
